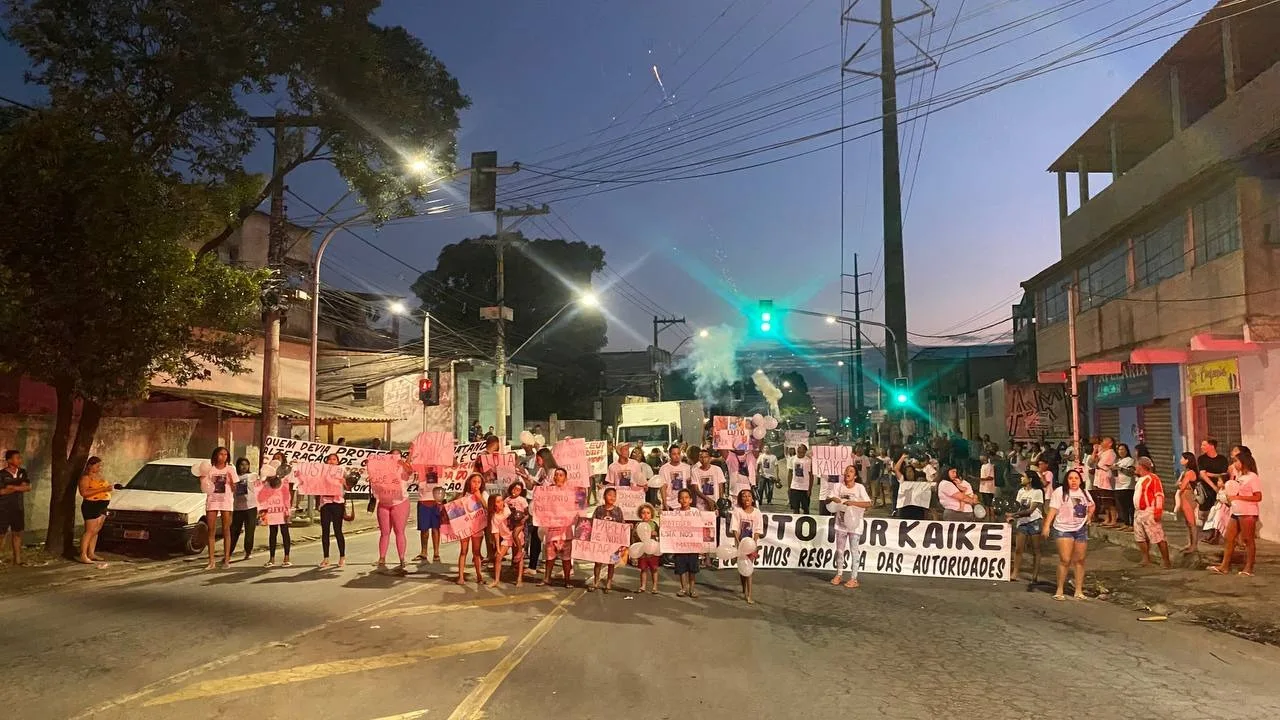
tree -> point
(169, 79)
(795, 399)
(102, 291)
(542, 276)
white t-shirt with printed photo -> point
(801, 472)
(1073, 512)
(709, 480)
(849, 518)
(674, 478)
(1028, 497)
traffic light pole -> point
(851, 323)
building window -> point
(360, 391)
(1053, 303)
(1216, 223)
(988, 403)
(1104, 279)
(1161, 253)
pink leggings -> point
(392, 518)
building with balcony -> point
(1174, 267)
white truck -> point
(659, 424)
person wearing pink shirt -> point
(956, 496)
(1243, 496)
(742, 471)
(1104, 482)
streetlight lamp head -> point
(398, 308)
(589, 299)
(839, 363)
(420, 166)
(831, 320)
(704, 333)
(786, 383)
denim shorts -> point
(1081, 535)
(1031, 528)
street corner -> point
(432, 650)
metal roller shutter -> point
(1157, 427)
(1222, 419)
(1108, 423)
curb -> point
(1204, 556)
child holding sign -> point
(608, 511)
(500, 530)
(557, 540)
(687, 563)
(517, 521)
(474, 488)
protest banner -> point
(571, 454)
(432, 449)
(466, 453)
(730, 433)
(353, 458)
(795, 438)
(830, 460)
(600, 541)
(313, 478)
(467, 517)
(597, 456)
(273, 503)
(386, 479)
(554, 507)
(686, 532)
(890, 546)
(629, 499)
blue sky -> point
(547, 78)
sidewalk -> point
(45, 572)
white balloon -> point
(201, 468)
(636, 550)
(758, 432)
(526, 437)
(725, 553)
(651, 547)
(747, 546)
(757, 419)
(834, 507)
(746, 568)
(771, 422)
(644, 532)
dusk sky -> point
(556, 84)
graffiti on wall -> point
(1035, 411)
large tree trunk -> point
(72, 439)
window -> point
(1104, 278)
(1053, 303)
(1161, 253)
(360, 391)
(988, 402)
(1216, 223)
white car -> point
(162, 505)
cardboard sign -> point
(597, 456)
(273, 503)
(555, 507)
(467, 517)
(352, 458)
(600, 541)
(830, 460)
(432, 449)
(571, 454)
(890, 546)
(629, 499)
(313, 478)
(386, 480)
(795, 438)
(730, 433)
(686, 532)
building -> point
(945, 381)
(1172, 267)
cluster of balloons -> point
(762, 424)
(647, 545)
(745, 549)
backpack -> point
(1205, 495)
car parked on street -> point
(161, 506)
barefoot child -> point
(474, 488)
(648, 564)
(499, 516)
(517, 521)
(854, 500)
(746, 522)
(429, 518)
(556, 540)
(608, 511)
(686, 563)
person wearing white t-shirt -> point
(766, 475)
(801, 479)
(854, 501)
(1027, 521)
(987, 481)
(746, 521)
(708, 480)
(673, 477)
(741, 467)
(624, 472)
(1071, 508)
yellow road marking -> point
(304, 673)
(473, 704)
(411, 715)
(236, 657)
(467, 605)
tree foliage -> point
(542, 276)
(102, 291)
(170, 79)
(795, 399)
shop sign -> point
(1131, 388)
(1216, 377)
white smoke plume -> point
(712, 363)
(770, 391)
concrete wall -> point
(1229, 131)
(124, 444)
(295, 373)
(1260, 425)
(991, 414)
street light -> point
(831, 320)
(704, 333)
(586, 299)
(839, 363)
(786, 384)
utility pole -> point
(857, 398)
(503, 314)
(660, 324)
(895, 296)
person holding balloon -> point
(746, 526)
(217, 481)
(848, 502)
(645, 535)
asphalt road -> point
(175, 642)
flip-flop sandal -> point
(693, 594)
(1216, 570)
(1078, 596)
(1060, 598)
(1244, 573)
(852, 584)
(680, 593)
(836, 580)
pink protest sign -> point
(432, 448)
(555, 507)
(571, 454)
(629, 499)
(386, 479)
(730, 433)
(467, 517)
(829, 460)
(686, 532)
(318, 478)
(273, 503)
(597, 452)
(600, 541)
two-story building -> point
(1174, 267)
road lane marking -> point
(472, 706)
(317, 671)
(466, 605)
(411, 715)
(176, 678)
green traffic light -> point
(902, 398)
(765, 327)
